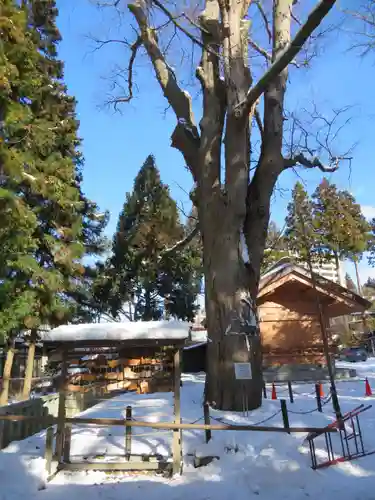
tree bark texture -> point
(230, 203)
(4, 395)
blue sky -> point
(116, 144)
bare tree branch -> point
(101, 43)
(312, 137)
(185, 136)
(260, 50)
(181, 243)
(176, 23)
(265, 19)
(314, 162)
(288, 54)
(258, 120)
(134, 48)
(178, 98)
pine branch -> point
(287, 55)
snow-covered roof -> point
(285, 267)
(140, 330)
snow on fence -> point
(38, 409)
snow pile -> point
(150, 330)
(250, 465)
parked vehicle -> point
(353, 354)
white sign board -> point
(242, 371)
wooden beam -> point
(176, 445)
(48, 454)
(165, 425)
(71, 346)
(67, 442)
(115, 466)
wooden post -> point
(318, 398)
(67, 442)
(284, 411)
(2, 425)
(264, 390)
(206, 413)
(62, 408)
(4, 389)
(49, 450)
(291, 398)
(176, 447)
(27, 381)
(128, 433)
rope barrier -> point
(304, 393)
(222, 421)
(326, 401)
(268, 418)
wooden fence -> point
(39, 408)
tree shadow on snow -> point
(235, 476)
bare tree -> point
(363, 26)
(232, 199)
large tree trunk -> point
(29, 366)
(4, 395)
(223, 298)
(230, 314)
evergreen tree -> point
(340, 225)
(276, 246)
(18, 81)
(137, 280)
(371, 243)
(49, 221)
(300, 235)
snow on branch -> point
(181, 243)
(287, 55)
(312, 135)
(313, 162)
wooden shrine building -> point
(289, 322)
(142, 356)
(288, 314)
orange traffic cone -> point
(368, 388)
(321, 390)
(273, 395)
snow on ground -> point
(251, 465)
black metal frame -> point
(349, 452)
